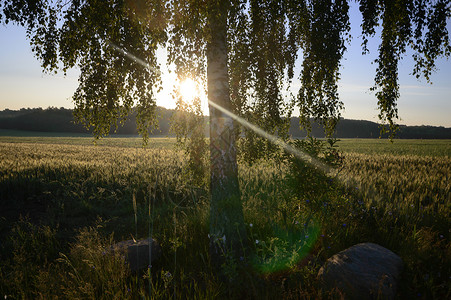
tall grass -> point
(63, 205)
(406, 206)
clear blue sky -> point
(22, 83)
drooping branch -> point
(264, 40)
(420, 25)
(323, 43)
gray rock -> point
(137, 253)
(363, 271)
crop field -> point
(65, 200)
(435, 148)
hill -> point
(60, 120)
(367, 129)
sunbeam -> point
(274, 139)
(300, 242)
(133, 58)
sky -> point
(23, 84)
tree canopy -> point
(264, 40)
(245, 54)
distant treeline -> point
(61, 120)
(54, 119)
(367, 129)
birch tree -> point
(246, 50)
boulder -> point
(363, 271)
(137, 253)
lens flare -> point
(285, 249)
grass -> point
(64, 201)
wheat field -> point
(65, 199)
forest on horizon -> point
(61, 120)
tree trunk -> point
(227, 230)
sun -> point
(189, 90)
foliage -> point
(261, 62)
(308, 178)
(81, 33)
(33, 251)
(189, 125)
(403, 25)
(114, 44)
(320, 21)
